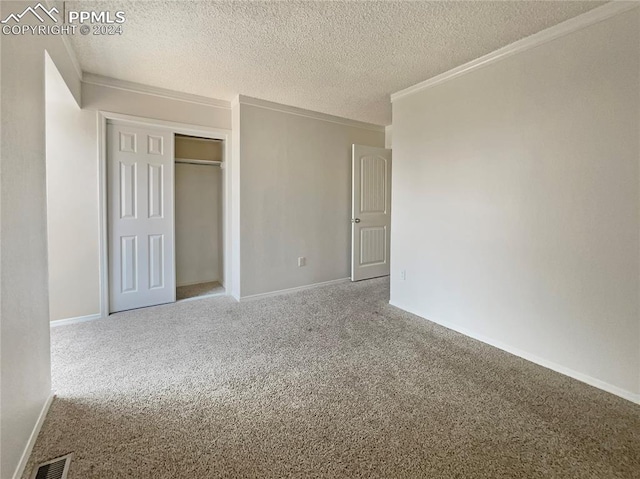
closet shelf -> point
(198, 162)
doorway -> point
(370, 212)
(198, 217)
(165, 195)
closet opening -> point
(199, 217)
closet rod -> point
(198, 162)
(198, 138)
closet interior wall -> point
(198, 207)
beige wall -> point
(72, 203)
(516, 203)
(67, 302)
(295, 198)
(117, 100)
(318, 216)
(25, 374)
(197, 149)
(199, 255)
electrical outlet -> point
(302, 261)
(403, 274)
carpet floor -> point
(200, 289)
(331, 382)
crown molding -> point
(72, 55)
(591, 17)
(268, 105)
(94, 79)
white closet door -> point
(141, 222)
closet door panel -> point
(156, 190)
(128, 264)
(156, 261)
(128, 190)
(140, 177)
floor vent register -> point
(57, 468)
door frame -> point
(174, 127)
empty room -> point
(319, 239)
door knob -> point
(357, 220)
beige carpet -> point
(331, 383)
(197, 290)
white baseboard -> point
(22, 464)
(623, 393)
(292, 290)
(79, 319)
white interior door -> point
(370, 212)
(140, 217)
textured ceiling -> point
(341, 58)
